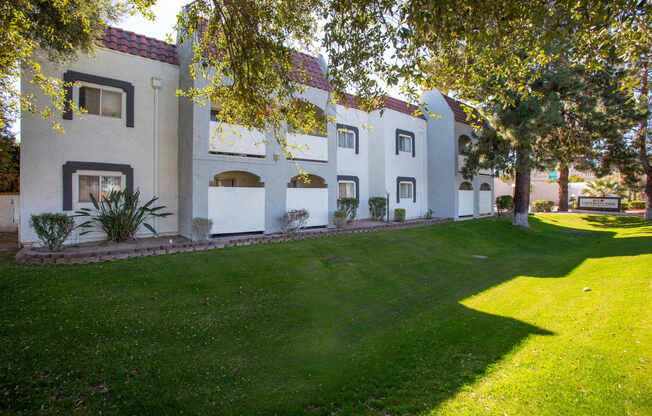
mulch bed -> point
(96, 252)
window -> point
(346, 138)
(214, 115)
(405, 190)
(346, 189)
(101, 102)
(405, 143)
(98, 185)
(464, 145)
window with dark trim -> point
(348, 137)
(406, 179)
(402, 137)
(350, 178)
(70, 77)
(71, 167)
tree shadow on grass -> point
(616, 221)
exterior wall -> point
(442, 151)
(399, 165)
(198, 165)
(91, 138)
(351, 164)
(464, 129)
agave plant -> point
(119, 215)
(604, 187)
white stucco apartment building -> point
(138, 134)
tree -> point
(493, 54)
(604, 187)
(9, 161)
(58, 30)
(592, 107)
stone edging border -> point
(30, 257)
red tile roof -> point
(389, 103)
(458, 111)
(139, 45)
(309, 71)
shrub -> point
(294, 220)
(637, 204)
(52, 229)
(576, 179)
(120, 215)
(429, 213)
(542, 206)
(377, 206)
(339, 218)
(201, 228)
(504, 203)
(399, 214)
(349, 206)
(624, 205)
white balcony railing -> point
(232, 139)
(303, 146)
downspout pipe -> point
(156, 86)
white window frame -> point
(355, 191)
(411, 196)
(401, 137)
(123, 99)
(346, 132)
(100, 173)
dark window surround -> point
(406, 133)
(71, 167)
(355, 130)
(400, 179)
(71, 77)
(353, 179)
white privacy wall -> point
(102, 139)
(9, 212)
(307, 147)
(229, 138)
(465, 199)
(236, 210)
(351, 164)
(485, 202)
(315, 200)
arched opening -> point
(466, 186)
(464, 145)
(236, 203)
(311, 194)
(236, 179)
(485, 187)
(311, 181)
(309, 119)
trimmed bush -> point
(399, 214)
(339, 218)
(52, 229)
(504, 203)
(428, 215)
(637, 204)
(624, 205)
(201, 228)
(120, 214)
(294, 220)
(349, 206)
(377, 207)
(541, 205)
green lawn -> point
(391, 323)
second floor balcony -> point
(236, 140)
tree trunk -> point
(648, 195)
(522, 188)
(563, 187)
